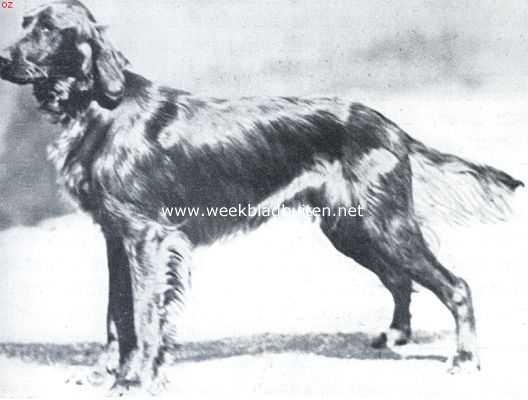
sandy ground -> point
(279, 312)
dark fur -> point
(130, 147)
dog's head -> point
(63, 49)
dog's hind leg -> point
(403, 246)
(347, 237)
(400, 287)
(389, 228)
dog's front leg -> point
(121, 338)
(159, 273)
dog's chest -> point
(73, 154)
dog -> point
(130, 147)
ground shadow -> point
(337, 345)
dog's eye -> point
(26, 22)
(46, 27)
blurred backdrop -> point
(275, 47)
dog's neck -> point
(85, 125)
(68, 98)
(73, 104)
(63, 99)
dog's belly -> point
(322, 185)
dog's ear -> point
(109, 66)
(86, 60)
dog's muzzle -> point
(4, 62)
(18, 70)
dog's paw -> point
(391, 338)
(464, 363)
(127, 387)
(102, 373)
(134, 387)
(91, 376)
(158, 385)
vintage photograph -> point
(254, 199)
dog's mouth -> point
(21, 73)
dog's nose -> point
(5, 58)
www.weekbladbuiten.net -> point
(249, 210)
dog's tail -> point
(452, 189)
